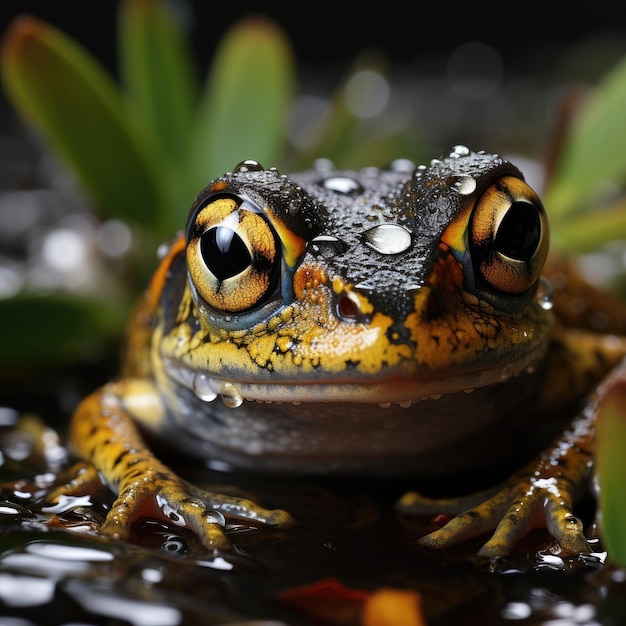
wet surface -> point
(56, 569)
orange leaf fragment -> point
(393, 607)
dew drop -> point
(459, 151)
(328, 243)
(203, 388)
(387, 238)
(545, 294)
(342, 184)
(230, 397)
(249, 165)
(465, 185)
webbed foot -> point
(522, 504)
(162, 495)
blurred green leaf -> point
(594, 153)
(54, 328)
(611, 466)
(161, 85)
(158, 74)
(73, 103)
(246, 101)
(589, 231)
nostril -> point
(348, 307)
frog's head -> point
(371, 286)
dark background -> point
(528, 35)
(543, 51)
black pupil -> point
(224, 252)
(519, 232)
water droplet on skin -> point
(230, 397)
(215, 517)
(465, 185)
(203, 388)
(545, 294)
(328, 243)
(249, 165)
(459, 151)
(387, 238)
(342, 184)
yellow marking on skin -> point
(296, 341)
(141, 400)
(293, 245)
(185, 306)
(160, 277)
(455, 234)
(466, 330)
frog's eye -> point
(508, 236)
(233, 254)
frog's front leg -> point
(541, 494)
(103, 432)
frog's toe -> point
(173, 505)
(515, 523)
(564, 526)
(206, 523)
(513, 512)
(467, 525)
(248, 511)
(81, 479)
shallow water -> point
(55, 569)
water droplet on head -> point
(387, 238)
(328, 243)
(419, 172)
(342, 184)
(458, 151)
(249, 165)
(465, 185)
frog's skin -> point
(379, 322)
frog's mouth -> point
(394, 388)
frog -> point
(388, 322)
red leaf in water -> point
(332, 602)
(328, 599)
